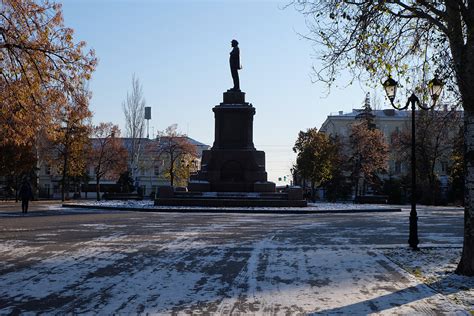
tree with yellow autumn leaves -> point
(43, 74)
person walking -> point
(25, 194)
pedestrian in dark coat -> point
(25, 194)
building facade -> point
(389, 121)
(444, 129)
(148, 171)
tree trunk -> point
(356, 188)
(63, 180)
(16, 189)
(171, 170)
(466, 265)
(313, 198)
(171, 176)
(97, 186)
(67, 188)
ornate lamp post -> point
(435, 87)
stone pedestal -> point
(233, 127)
(232, 164)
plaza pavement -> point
(74, 261)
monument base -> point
(234, 97)
(222, 186)
(231, 170)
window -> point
(156, 170)
(394, 135)
(47, 169)
(398, 167)
(444, 166)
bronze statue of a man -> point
(234, 61)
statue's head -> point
(234, 43)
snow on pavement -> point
(149, 205)
(224, 265)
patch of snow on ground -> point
(16, 249)
(61, 272)
(149, 204)
(435, 266)
(103, 226)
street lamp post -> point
(435, 87)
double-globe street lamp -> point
(435, 87)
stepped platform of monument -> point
(231, 199)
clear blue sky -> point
(179, 50)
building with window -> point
(435, 129)
(389, 121)
(148, 172)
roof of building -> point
(128, 140)
(376, 113)
(146, 142)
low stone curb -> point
(255, 210)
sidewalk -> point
(40, 205)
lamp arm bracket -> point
(398, 107)
(426, 107)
